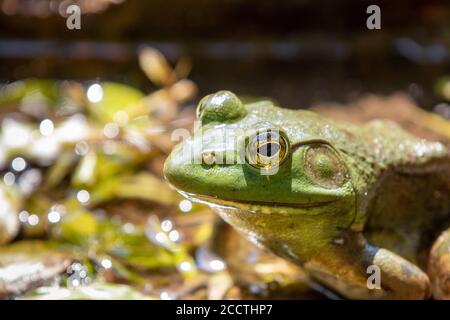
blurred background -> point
(297, 51)
(87, 117)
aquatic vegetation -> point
(85, 211)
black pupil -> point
(269, 149)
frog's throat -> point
(256, 206)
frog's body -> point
(342, 198)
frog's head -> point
(273, 173)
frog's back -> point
(405, 198)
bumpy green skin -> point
(391, 200)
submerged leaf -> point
(27, 264)
(95, 291)
(9, 213)
(115, 98)
(79, 227)
(147, 187)
(14, 93)
(39, 97)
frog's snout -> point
(220, 107)
(174, 166)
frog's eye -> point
(267, 149)
(324, 167)
(201, 107)
(220, 107)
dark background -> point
(298, 52)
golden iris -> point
(267, 149)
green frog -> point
(363, 209)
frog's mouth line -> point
(255, 206)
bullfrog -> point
(364, 209)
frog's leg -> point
(344, 266)
(439, 266)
